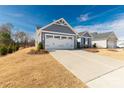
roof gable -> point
(85, 34)
(59, 26)
(61, 22)
(112, 35)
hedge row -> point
(8, 49)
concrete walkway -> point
(88, 67)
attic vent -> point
(61, 22)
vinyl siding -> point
(59, 28)
(100, 43)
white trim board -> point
(57, 32)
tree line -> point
(11, 41)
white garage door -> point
(59, 42)
(111, 44)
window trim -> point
(49, 36)
(63, 37)
(56, 37)
(70, 38)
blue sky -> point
(82, 18)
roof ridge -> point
(106, 32)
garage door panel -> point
(59, 43)
(111, 44)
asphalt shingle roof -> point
(100, 36)
(81, 33)
(59, 28)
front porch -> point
(84, 40)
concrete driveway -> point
(88, 67)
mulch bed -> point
(112, 50)
(95, 50)
(33, 51)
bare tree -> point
(31, 41)
(20, 37)
(24, 39)
(6, 28)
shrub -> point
(3, 50)
(13, 48)
(33, 51)
(40, 46)
(94, 45)
(16, 47)
(10, 49)
(5, 37)
(85, 46)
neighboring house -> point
(104, 40)
(85, 39)
(57, 35)
(120, 43)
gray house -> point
(85, 39)
(120, 43)
(57, 35)
(60, 35)
(104, 40)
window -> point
(69, 37)
(63, 37)
(57, 37)
(49, 36)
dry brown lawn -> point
(114, 53)
(21, 69)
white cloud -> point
(116, 25)
(83, 17)
(15, 14)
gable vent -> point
(61, 22)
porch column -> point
(89, 42)
(82, 42)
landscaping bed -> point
(35, 51)
(93, 50)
